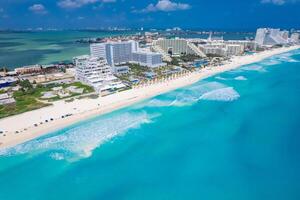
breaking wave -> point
(257, 68)
(240, 78)
(270, 62)
(191, 95)
(79, 142)
(223, 94)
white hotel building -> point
(150, 59)
(222, 49)
(270, 37)
(93, 71)
(114, 52)
(117, 53)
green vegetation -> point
(40, 89)
(137, 69)
(160, 70)
(28, 97)
(189, 57)
(174, 61)
(25, 101)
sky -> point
(189, 14)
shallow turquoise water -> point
(19, 49)
(47, 47)
(233, 136)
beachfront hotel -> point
(93, 71)
(117, 53)
(222, 49)
(175, 47)
(150, 59)
(295, 38)
(270, 37)
(114, 52)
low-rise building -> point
(6, 99)
(7, 81)
(121, 69)
(29, 69)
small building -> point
(6, 99)
(122, 69)
(150, 75)
(29, 70)
(7, 81)
(74, 89)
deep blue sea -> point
(233, 136)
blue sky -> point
(205, 14)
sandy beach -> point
(21, 128)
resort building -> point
(285, 34)
(93, 71)
(217, 49)
(121, 69)
(295, 38)
(148, 59)
(29, 69)
(114, 52)
(118, 53)
(247, 44)
(234, 49)
(221, 49)
(174, 47)
(271, 37)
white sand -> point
(85, 108)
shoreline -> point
(88, 108)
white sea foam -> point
(270, 62)
(80, 141)
(57, 156)
(240, 78)
(285, 57)
(223, 94)
(258, 68)
(207, 91)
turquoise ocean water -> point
(234, 136)
(28, 48)
(23, 48)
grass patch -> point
(23, 104)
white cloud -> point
(165, 6)
(38, 9)
(72, 4)
(278, 2)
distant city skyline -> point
(213, 14)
